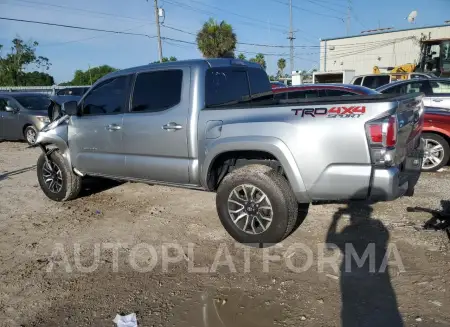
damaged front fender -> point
(55, 136)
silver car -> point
(436, 90)
(22, 115)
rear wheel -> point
(256, 205)
(437, 152)
(57, 179)
(30, 134)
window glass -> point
(2, 104)
(358, 81)
(337, 93)
(157, 91)
(440, 87)
(308, 94)
(376, 81)
(399, 89)
(33, 102)
(226, 86)
(259, 81)
(109, 97)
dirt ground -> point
(123, 248)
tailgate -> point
(410, 120)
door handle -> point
(172, 126)
(113, 127)
(437, 100)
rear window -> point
(375, 81)
(338, 93)
(231, 86)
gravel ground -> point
(130, 247)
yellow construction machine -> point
(434, 59)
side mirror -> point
(71, 108)
(10, 109)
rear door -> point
(440, 96)
(155, 133)
(95, 138)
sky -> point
(263, 22)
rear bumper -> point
(391, 183)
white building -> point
(385, 49)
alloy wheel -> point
(250, 209)
(31, 136)
(52, 177)
(434, 154)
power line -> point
(78, 9)
(307, 10)
(88, 38)
(75, 27)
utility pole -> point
(349, 15)
(158, 31)
(291, 38)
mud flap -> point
(413, 168)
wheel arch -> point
(254, 147)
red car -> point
(436, 133)
(308, 91)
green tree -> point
(37, 79)
(165, 59)
(90, 76)
(242, 56)
(22, 56)
(281, 66)
(216, 40)
(259, 58)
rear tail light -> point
(383, 132)
(382, 136)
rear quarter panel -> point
(320, 148)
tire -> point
(257, 180)
(70, 182)
(302, 212)
(30, 134)
(440, 157)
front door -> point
(95, 137)
(441, 94)
(10, 128)
(155, 130)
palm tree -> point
(259, 58)
(242, 56)
(281, 65)
(216, 40)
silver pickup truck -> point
(215, 125)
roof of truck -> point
(212, 62)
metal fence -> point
(50, 90)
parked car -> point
(311, 91)
(436, 135)
(22, 115)
(436, 90)
(277, 85)
(374, 81)
(75, 90)
(215, 125)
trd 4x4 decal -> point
(334, 112)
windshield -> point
(33, 102)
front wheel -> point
(56, 178)
(437, 152)
(256, 205)
(30, 134)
